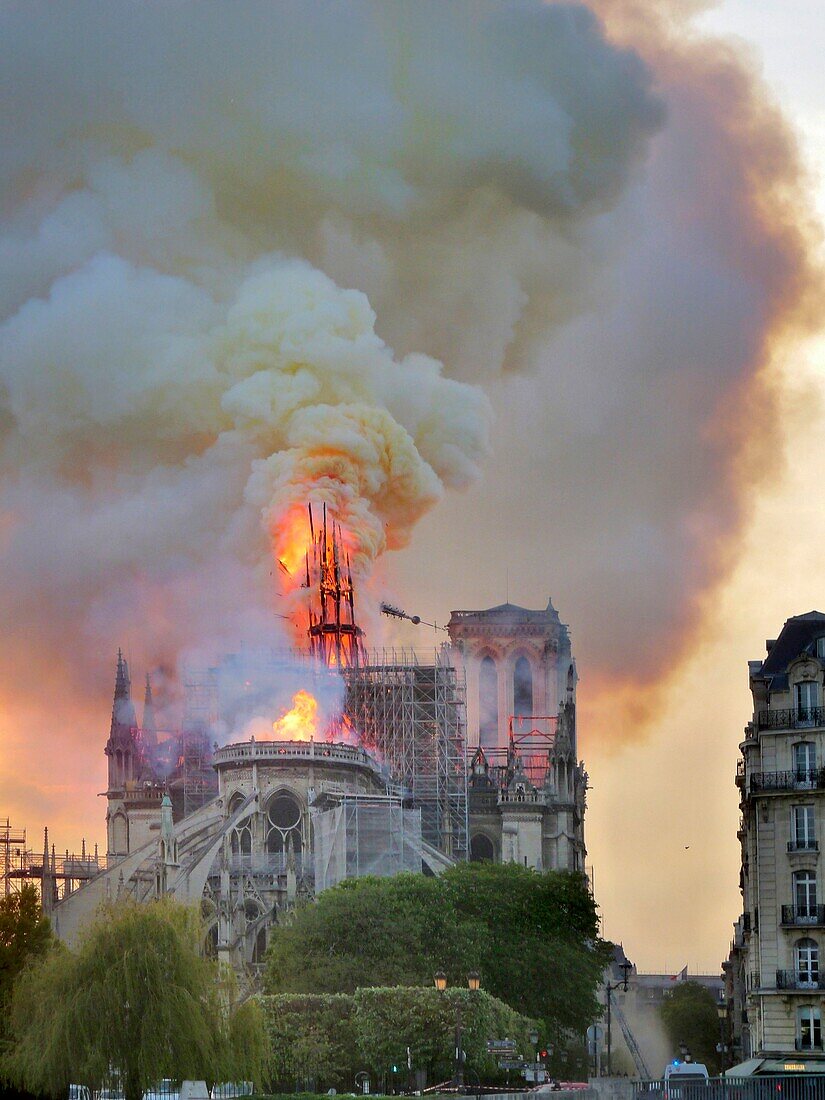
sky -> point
(527, 293)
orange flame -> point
(300, 722)
(291, 543)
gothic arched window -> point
(522, 688)
(284, 821)
(481, 847)
(487, 703)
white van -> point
(684, 1073)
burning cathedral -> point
(415, 764)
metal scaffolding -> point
(61, 874)
(358, 835)
(411, 715)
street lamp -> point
(722, 1046)
(625, 967)
(473, 984)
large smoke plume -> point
(202, 208)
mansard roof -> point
(795, 639)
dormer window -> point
(820, 648)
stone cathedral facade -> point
(527, 788)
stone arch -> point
(120, 834)
(241, 836)
(487, 702)
(522, 686)
(284, 821)
(482, 847)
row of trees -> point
(349, 982)
(329, 1037)
(533, 938)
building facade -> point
(394, 783)
(527, 788)
(774, 971)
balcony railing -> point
(803, 845)
(806, 915)
(794, 780)
(791, 719)
(807, 1044)
(799, 979)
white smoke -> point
(236, 246)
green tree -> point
(311, 1036)
(533, 938)
(136, 998)
(690, 1019)
(325, 1039)
(388, 1021)
(25, 933)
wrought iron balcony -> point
(807, 1044)
(793, 780)
(803, 916)
(791, 719)
(799, 979)
(803, 845)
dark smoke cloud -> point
(599, 225)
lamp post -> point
(608, 988)
(473, 984)
(722, 1047)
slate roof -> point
(796, 637)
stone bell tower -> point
(527, 789)
(516, 663)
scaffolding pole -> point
(411, 715)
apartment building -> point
(776, 959)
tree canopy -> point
(325, 1039)
(136, 998)
(691, 1020)
(533, 938)
(25, 933)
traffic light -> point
(543, 1054)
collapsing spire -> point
(334, 636)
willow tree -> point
(137, 1001)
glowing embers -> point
(300, 722)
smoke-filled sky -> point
(523, 290)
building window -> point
(807, 700)
(809, 1028)
(804, 883)
(522, 688)
(481, 847)
(806, 957)
(804, 761)
(284, 818)
(802, 827)
(488, 703)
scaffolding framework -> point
(411, 715)
(61, 874)
(362, 835)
